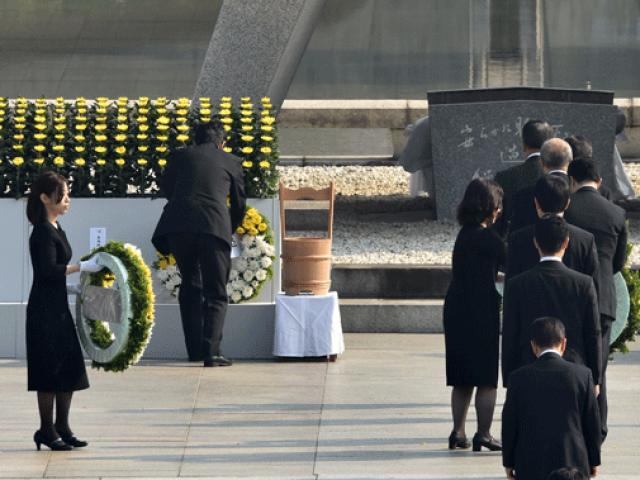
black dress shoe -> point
(457, 440)
(73, 441)
(487, 442)
(217, 361)
(56, 444)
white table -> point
(308, 326)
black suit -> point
(524, 206)
(196, 226)
(550, 419)
(581, 254)
(550, 289)
(513, 179)
(607, 222)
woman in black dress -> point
(55, 366)
(472, 313)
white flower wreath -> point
(252, 269)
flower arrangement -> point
(142, 299)
(252, 269)
(628, 334)
(120, 148)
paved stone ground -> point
(380, 412)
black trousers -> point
(204, 262)
(606, 323)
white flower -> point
(255, 283)
(261, 275)
(246, 241)
(236, 297)
(135, 250)
(162, 275)
(176, 292)
(237, 284)
(254, 265)
(171, 269)
(247, 275)
(265, 262)
(229, 289)
(169, 285)
(247, 291)
(233, 274)
(242, 265)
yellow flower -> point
(121, 150)
(161, 100)
(162, 138)
(266, 128)
(80, 127)
(172, 260)
(240, 230)
(59, 137)
(1, 113)
(122, 118)
(80, 118)
(101, 111)
(205, 111)
(80, 100)
(101, 119)
(143, 101)
(246, 106)
(182, 128)
(247, 138)
(142, 119)
(102, 127)
(39, 161)
(163, 264)
(79, 148)
(80, 162)
(143, 111)
(60, 99)
(253, 231)
(246, 120)
(184, 101)
(58, 148)
(226, 106)
(265, 164)
(21, 111)
(143, 148)
(162, 128)
(60, 127)
(262, 227)
(123, 110)
(247, 164)
(265, 100)
(163, 120)
(18, 161)
(122, 127)
(245, 99)
(142, 136)
(123, 99)
(60, 111)
(144, 128)
(247, 128)
(226, 120)
(226, 99)
(205, 119)
(268, 120)
(246, 113)
(161, 111)
(204, 99)
(162, 162)
(82, 111)
(247, 150)
(101, 161)
(39, 148)
(227, 149)
(59, 119)
(161, 149)
(19, 119)
(39, 119)
(265, 113)
(79, 138)
(101, 149)
(20, 126)
(40, 126)
(40, 136)
(182, 111)
(265, 150)
(120, 161)
(181, 120)
(226, 128)
(101, 138)
(267, 138)
(19, 136)
(121, 137)
(267, 106)
(58, 161)
(142, 161)
(182, 137)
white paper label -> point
(97, 237)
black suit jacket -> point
(550, 289)
(524, 206)
(513, 179)
(607, 222)
(550, 419)
(197, 182)
(581, 254)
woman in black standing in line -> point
(55, 366)
(472, 313)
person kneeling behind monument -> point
(550, 417)
(551, 289)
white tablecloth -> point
(308, 326)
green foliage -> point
(141, 320)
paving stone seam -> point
(193, 412)
(324, 392)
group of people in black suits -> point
(566, 240)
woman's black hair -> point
(481, 199)
(52, 185)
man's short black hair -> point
(580, 146)
(584, 169)
(567, 473)
(552, 193)
(547, 332)
(550, 233)
(535, 133)
(210, 132)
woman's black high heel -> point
(488, 442)
(74, 442)
(457, 440)
(57, 444)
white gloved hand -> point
(91, 265)
(74, 288)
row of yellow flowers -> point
(120, 148)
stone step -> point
(391, 316)
(335, 146)
(402, 282)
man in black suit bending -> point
(196, 226)
(555, 156)
(534, 134)
(550, 417)
(582, 148)
(607, 222)
(550, 289)
(551, 196)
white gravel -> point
(420, 243)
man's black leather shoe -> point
(219, 361)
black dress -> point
(472, 308)
(54, 356)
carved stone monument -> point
(256, 48)
(476, 133)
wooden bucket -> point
(306, 262)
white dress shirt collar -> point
(551, 259)
(550, 350)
